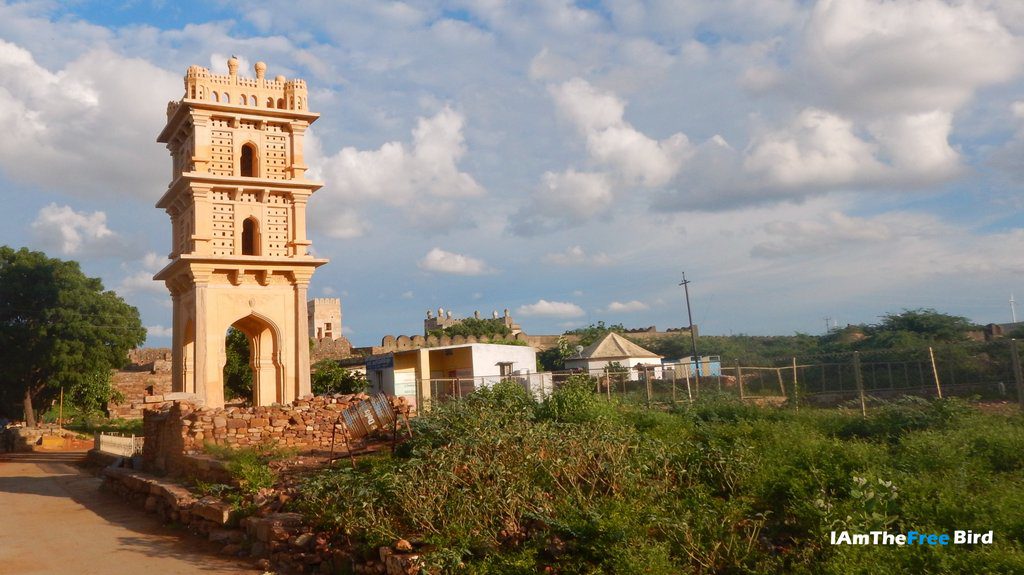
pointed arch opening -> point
(252, 370)
(250, 237)
(248, 162)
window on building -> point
(250, 238)
(247, 163)
(505, 368)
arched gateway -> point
(237, 202)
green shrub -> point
(329, 378)
(249, 466)
(574, 402)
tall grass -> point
(500, 484)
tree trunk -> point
(30, 414)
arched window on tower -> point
(250, 238)
(247, 165)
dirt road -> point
(54, 520)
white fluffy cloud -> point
(881, 57)
(395, 175)
(629, 306)
(70, 129)
(889, 77)
(140, 276)
(576, 255)
(564, 199)
(159, 331)
(440, 261)
(614, 143)
(818, 149)
(62, 229)
(834, 230)
(545, 308)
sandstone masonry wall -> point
(180, 430)
(143, 383)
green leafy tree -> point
(237, 368)
(57, 328)
(476, 327)
(91, 394)
(329, 377)
(595, 331)
(554, 359)
(916, 328)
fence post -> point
(689, 392)
(673, 384)
(647, 385)
(739, 377)
(1017, 377)
(782, 386)
(859, 380)
(938, 388)
(796, 399)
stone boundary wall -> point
(180, 430)
(143, 382)
(275, 539)
(390, 343)
(329, 349)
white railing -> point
(125, 446)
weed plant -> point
(498, 483)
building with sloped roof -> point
(615, 349)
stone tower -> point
(324, 318)
(237, 202)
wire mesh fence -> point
(986, 369)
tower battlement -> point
(234, 90)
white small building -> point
(615, 349)
(453, 370)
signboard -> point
(405, 383)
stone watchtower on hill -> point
(239, 253)
(324, 318)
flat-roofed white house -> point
(430, 373)
(615, 349)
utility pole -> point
(828, 326)
(693, 336)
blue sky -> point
(563, 160)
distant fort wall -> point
(391, 343)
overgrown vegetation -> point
(471, 326)
(498, 483)
(237, 367)
(329, 378)
(250, 471)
